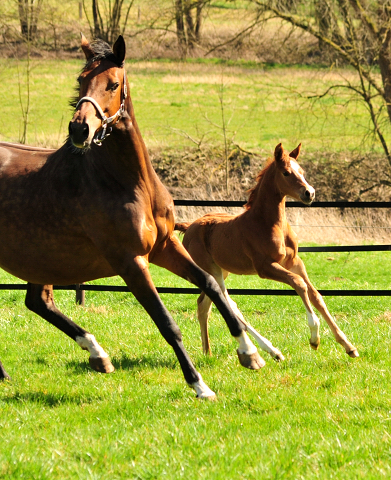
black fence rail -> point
(81, 289)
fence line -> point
(82, 288)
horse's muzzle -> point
(78, 133)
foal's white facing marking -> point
(88, 342)
(296, 168)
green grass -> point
(174, 99)
(317, 415)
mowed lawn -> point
(180, 104)
(316, 415)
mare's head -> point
(289, 177)
(100, 103)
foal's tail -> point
(182, 227)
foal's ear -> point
(278, 152)
(296, 152)
(119, 50)
(86, 47)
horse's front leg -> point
(174, 257)
(137, 277)
(40, 300)
(318, 302)
(3, 374)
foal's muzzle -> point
(308, 196)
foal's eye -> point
(114, 87)
(286, 174)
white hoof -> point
(202, 390)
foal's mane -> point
(253, 191)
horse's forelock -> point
(102, 51)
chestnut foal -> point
(260, 242)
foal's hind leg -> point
(204, 307)
(317, 301)
(176, 259)
(263, 342)
(39, 299)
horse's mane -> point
(101, 51)
(253, 191)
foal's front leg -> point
(275, 271)
(176, 259)
(318, 302)
(40, 300)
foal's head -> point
(102, 94)
(290, 176)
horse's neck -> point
(127, 152)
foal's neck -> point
(269, 202)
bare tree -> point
(188, 18)
(29, 11)
(358, 32)
(106, 18)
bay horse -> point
(95, 208)
(261, 242)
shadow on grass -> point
(124, 362)
(49, 399)
(152, 361)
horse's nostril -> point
(307, 193)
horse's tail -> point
(182, 227)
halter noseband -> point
(106, 120)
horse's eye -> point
(286, 174)
(114, 87)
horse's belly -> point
(56, 261)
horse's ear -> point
(119, 49)
(278, 151)
(86, 47)
(296, 152)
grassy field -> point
(176, 100)
(317, 415)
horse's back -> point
(19, 158)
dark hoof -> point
(253, 361)
(102, 365)
(353, 353)
(5, 376)
(315, 346)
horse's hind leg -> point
(39, 299)
(176, 259)
(3, 374)
(317, 301)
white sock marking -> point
(89, 342)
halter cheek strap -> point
(106, 121)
